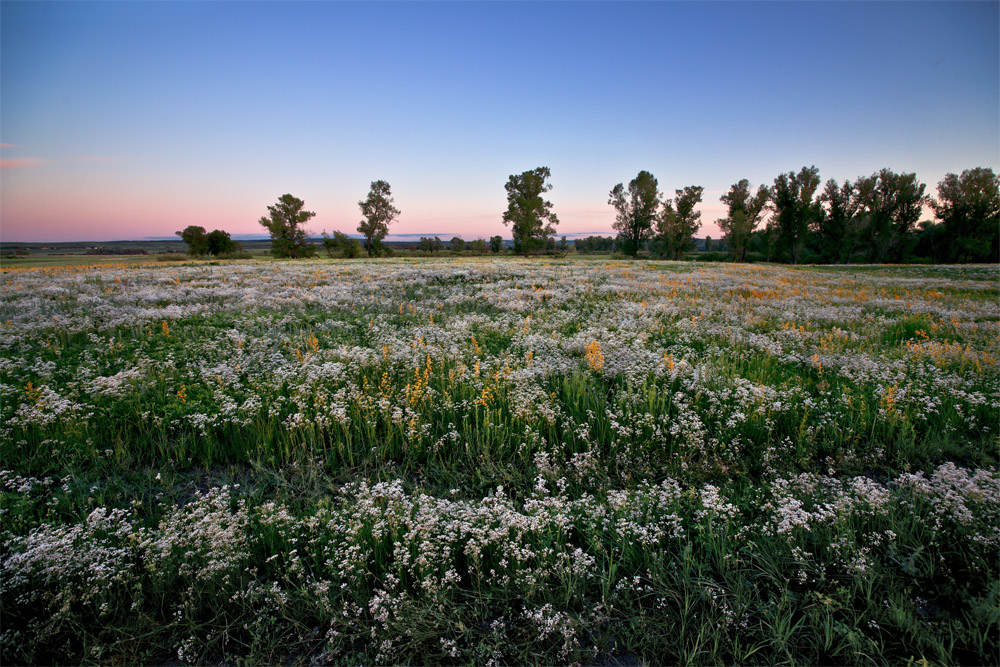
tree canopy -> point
(196, 239)
(379, 213)
(349, 247)
(529, 213)
(891, 205)
(285, 225)
(678, 222)
(746, 209)
(968, 207)
(795, 209)
(216, 242)
(636, 210)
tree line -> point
(874, 219)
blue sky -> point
(125, 120)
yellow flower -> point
(595, 358)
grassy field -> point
(499, 462)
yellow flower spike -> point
(595, 358)
(33, 393)
(166, 328)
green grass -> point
(390, 461)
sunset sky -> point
(132, 120)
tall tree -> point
(968, 207)
(379, 214)
(530, 214)
(196, 239)
(285, 224)
(890, 204)
(795, 210)
(636, 209)
(678, 222)
(496, 244)
(837, 231)
(746, 209)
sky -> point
(131, 120)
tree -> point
(479, 246)
(196, 239)
(708, 244)
(746, 209)
(595, 244)
(795, 209)
(530, 215)
(968, 207)
(349, 247)
(678, 222)
(220, 243)
(457, 244)
(837, 230)
(379, 214)
(891, 205)
(636, 209)
(496, 244)
(288, 237)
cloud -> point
(19, 162)
(8, 146)
(94, 158)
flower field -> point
(499, 462)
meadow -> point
(498, 461)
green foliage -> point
(216, 242)
(220, 243)
(968, 207)
(196, 239)
(349, 247)
(530, 215)
(379, 213)
(496, 244)
(838, 234)
(595, 244)
(889, 206)
(284, 223)
(636, 210)
(795, 210)
(707, 464)
(678, 223)
(457, 244)
(746, 209)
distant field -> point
(499, 461)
